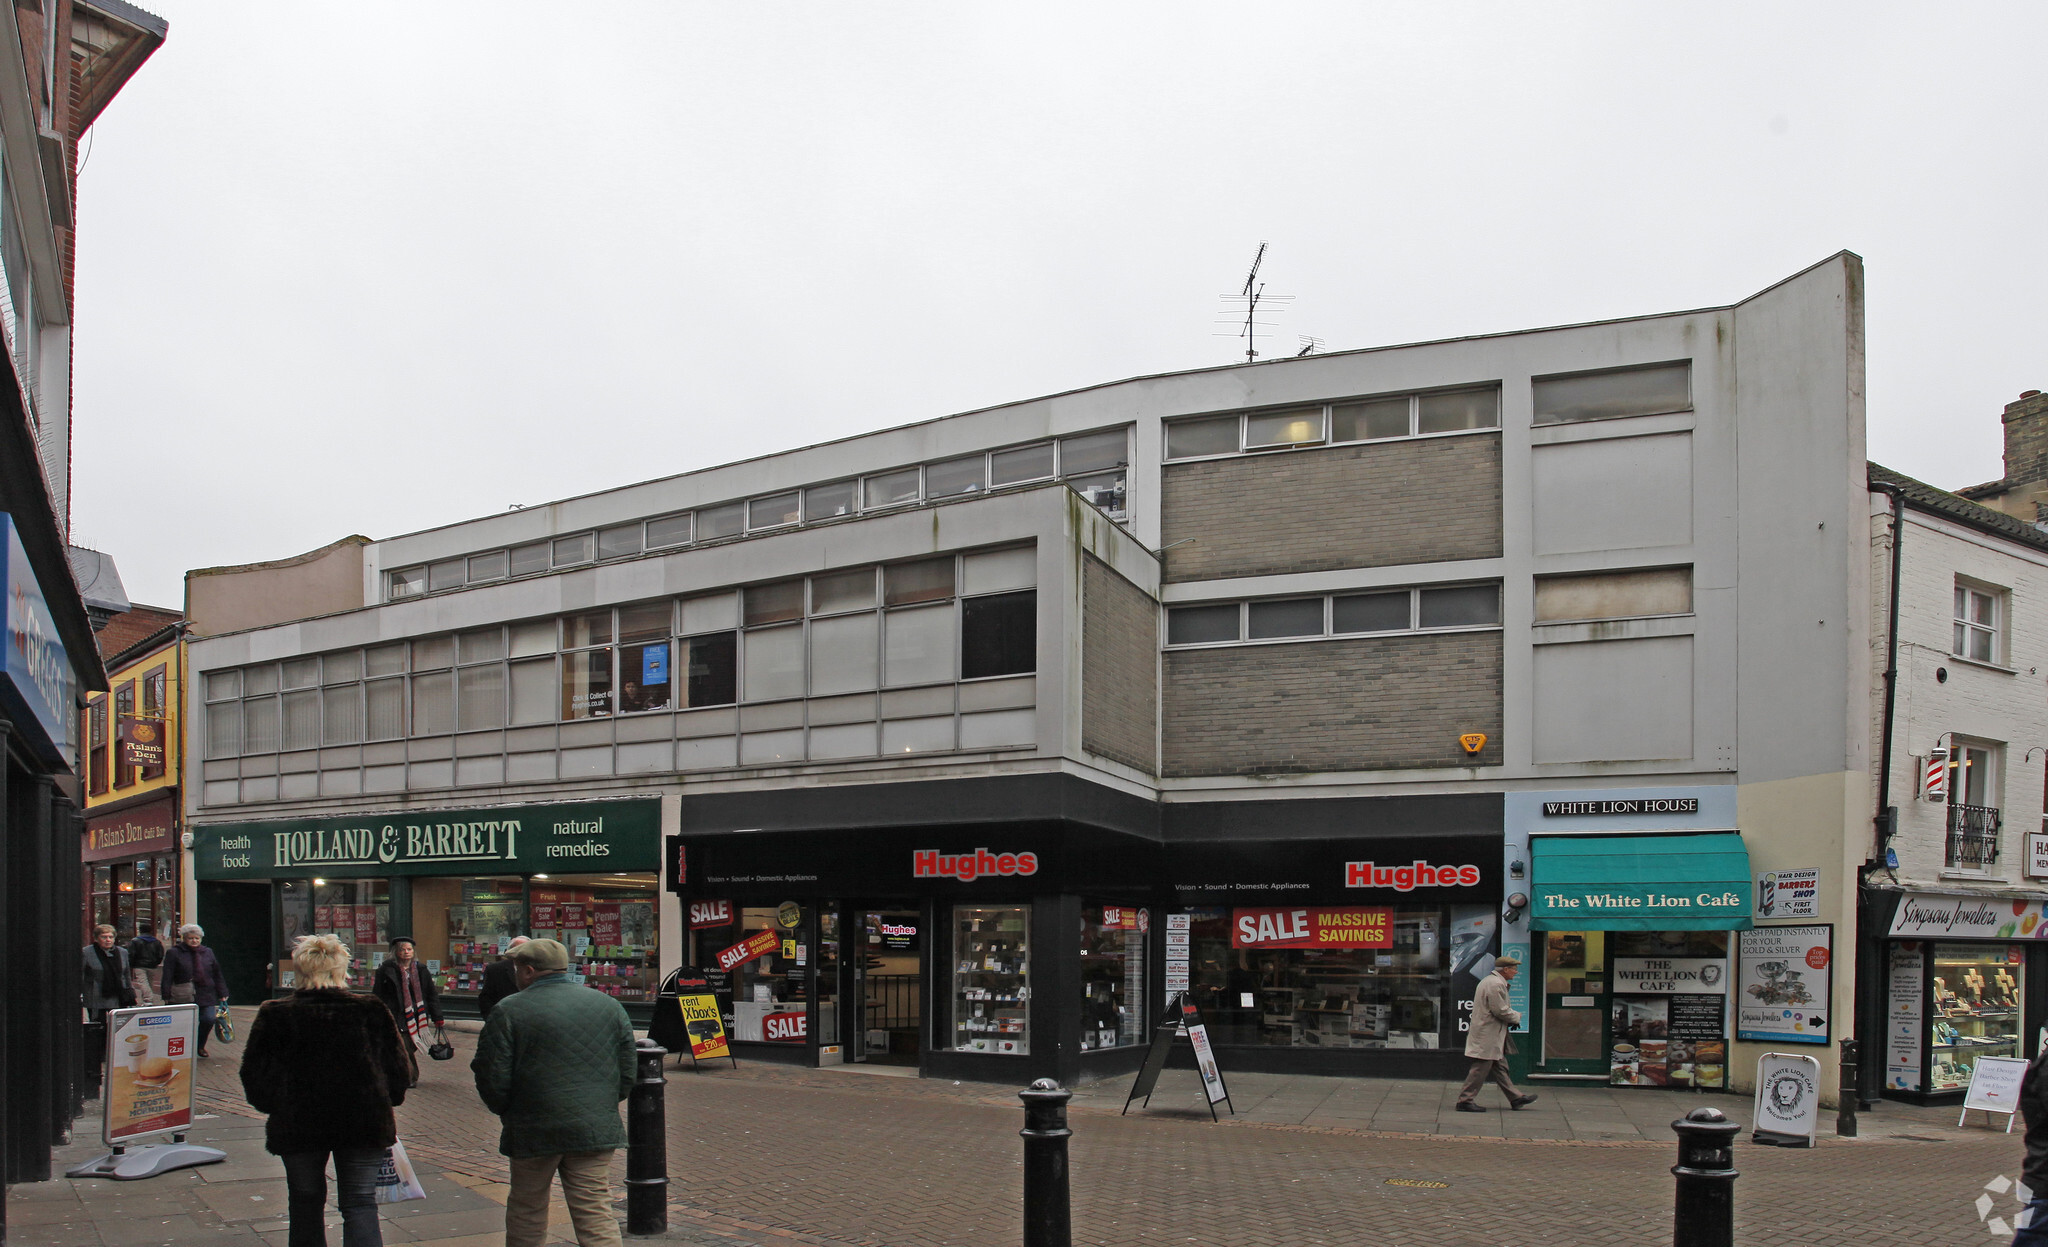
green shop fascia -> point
(459, 882)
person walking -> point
(406, 989)
(327, 1066)
(553, 1064)
(145, 954)
(192, 976)
(1487, 1042)
(2031, 1223)
(500, 979)
(105, 986)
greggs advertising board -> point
(149, 1072)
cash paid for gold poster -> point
(149, 1071)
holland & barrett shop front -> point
(460, 882)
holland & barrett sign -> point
(518, 839)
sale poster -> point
(1312, 926)
(148, 1072)
(323, 918)
(544, 916)
(604, 925)
(755, 945)
(573, 916)
(366, 926)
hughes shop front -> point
(461, 883)
(1624, 906)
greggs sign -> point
(967, 867)
(1417, 874)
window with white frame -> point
(1979, 622)
(1432, 608)
(1327, 424)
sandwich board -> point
(1994, 1088)
(1181, 1018)
(146, 1091)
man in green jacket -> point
(554, 1062)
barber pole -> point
(1934, 780)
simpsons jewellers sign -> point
(514, 839)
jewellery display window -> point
(991, 979)
(1977, 990)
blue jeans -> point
(2033, 1223)
(206, 1015)
(355, 1180)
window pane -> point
(843, 591)
(844, 658)
(713, 673)
(1636, 392)
(889, 489)
(1372, 612)
(773, 511)
(444, 575)
(999, 635)
(669, 530)
(1296, 617)
(954, 476)
(433, 652)
(1466, 409)
(589, 628)
(533, 692)
(433, 704)
(1284, 428)
(775, 663)
(259, 726)
(783, 600)
(1962, 638)
(1094, 452)
(822, 502)
(487, 566)
(343, 668)
(729, 520)
(223, 685)
(1211, 435)
(1463, 606)
(527, 560)
(1983, 609)
(224, 730)
(587, 684)
(930, 580)
(1025, 463)
(302, 720)
(301, 672)
(644, 675)
(1614, 595)
(617, 543)
(571, 550)
(258, 681)
(342, 715)
(384, 710)
(1359, 422)
(1980, 645)
(1105, 490)
(647, 622)
(529, 639)
(919, 646)
(407, 583)
(1196, 625)
(482, 701)
(483, 645)
(1962, 602)
(384, 660)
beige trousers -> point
(1477, 1076)
(145, 990)
(586, 1188)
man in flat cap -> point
(1487, 1040)
(553, 1063)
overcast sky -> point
(367, 269)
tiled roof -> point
(133, 626)
(1941, 502)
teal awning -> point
(1695, 882)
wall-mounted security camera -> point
(1517, 902)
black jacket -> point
(500, 981)
(326, 1065)
(388, 991)
(2034, 1107)
(145, 952)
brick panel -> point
(1375, 703)
(1377, 504)
(1119, 667)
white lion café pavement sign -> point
(146, 1091)
(1787, 1099)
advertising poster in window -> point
(1782, 980)
(1782, 894)
(604, 926)
(1471, 944)
(366, 928)
(1312, 926)
(149, 1072)
(1905, 1015)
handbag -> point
(223, 1026)
(441, 1049)
(179, 994)
(396, 1181)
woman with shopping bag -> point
(406, 989)
(327, 1066)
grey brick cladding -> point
(1377, 504)
(1119, 667)
(1374, 703)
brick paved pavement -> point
(784, 1157)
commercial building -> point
(132, 755)
(1304, 687)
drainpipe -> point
(1870, 942)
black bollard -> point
(1048, 1222)
(1850, 1090)
(647, 1146)
(1705, 1213)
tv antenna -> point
(1253, 294)
(1309, 346)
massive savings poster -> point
(1312, 926)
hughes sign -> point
(520, 839)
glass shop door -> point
(1575, 1004)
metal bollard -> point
(1048, 1221)
(647, 1145)
(1851, 1089)
(1705, 1211)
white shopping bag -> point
(396, 1182)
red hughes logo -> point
(967, 867)
(1408, 878)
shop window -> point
(528, 559)
(999, 635)
(608, 924)
(355, 911)
(1025, 463)
(771, 1002)
(460, 926)
(1113, 975)
(1606, 395)
(96, 743)
(1978, 990)
(991, 979)
(1979, 612)
(824, 502)
(669, 530)
(727, 520)
(586, 684)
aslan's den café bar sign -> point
(520, 839)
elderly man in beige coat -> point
(1486, 1041)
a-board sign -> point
(689, 1015)
(1205, 1055)
(148, 1088)
(1787, 1099)
(1995, 1087)
(1181, 1018)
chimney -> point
(2026, 440)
